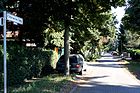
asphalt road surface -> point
(108, 77)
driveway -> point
(107, 77)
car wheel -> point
(80, 73)
(85, 70)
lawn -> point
(134, 67)
(50, 84)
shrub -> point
(1, 67)
(50, 63)
(23, 62)
(17, 63)
(134, 53)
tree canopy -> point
(131, 20)
(131, 23)
(88, 20)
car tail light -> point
(77, 66)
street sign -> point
(14, 18)
(17, 20)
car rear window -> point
(73, 59)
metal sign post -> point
(4, 42)
(15, 19)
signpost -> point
(15, 19)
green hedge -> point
(1, 67)
(134, 53)
(23, 62)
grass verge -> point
(50, 84)
(134, 68)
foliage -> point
(122, 39)
(88, 38)
(131, 20)
(134, 68)
(2, 8)
(28, 62)
(134, 53)
(87, 20)
(1, 67)
(133, 39)
(56, 14)
(53, 38)
(49, 84)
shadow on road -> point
(99, 87)
(94, 85)
(111, 65)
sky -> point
(119, 11)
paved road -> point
(108, 77)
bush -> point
(1, 67)
(18, 66)
(23, 62)
(50, 65)
(134, 53)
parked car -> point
(77, 64)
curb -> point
(73, 89)
(131, 75)
(125, 69)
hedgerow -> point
(25, 63)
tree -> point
(53, 38)
(122, 39)
(88, 37)
(86, 17)
(133, 39)
(131, 20)
(2, 8)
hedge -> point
(1, 67)
(134, 53)
(25, 63)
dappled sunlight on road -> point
(107, 77)
(99, 87)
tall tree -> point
(131, 20)
(85, 17)
(122, 39)
(133, 40)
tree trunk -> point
(66, 49)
